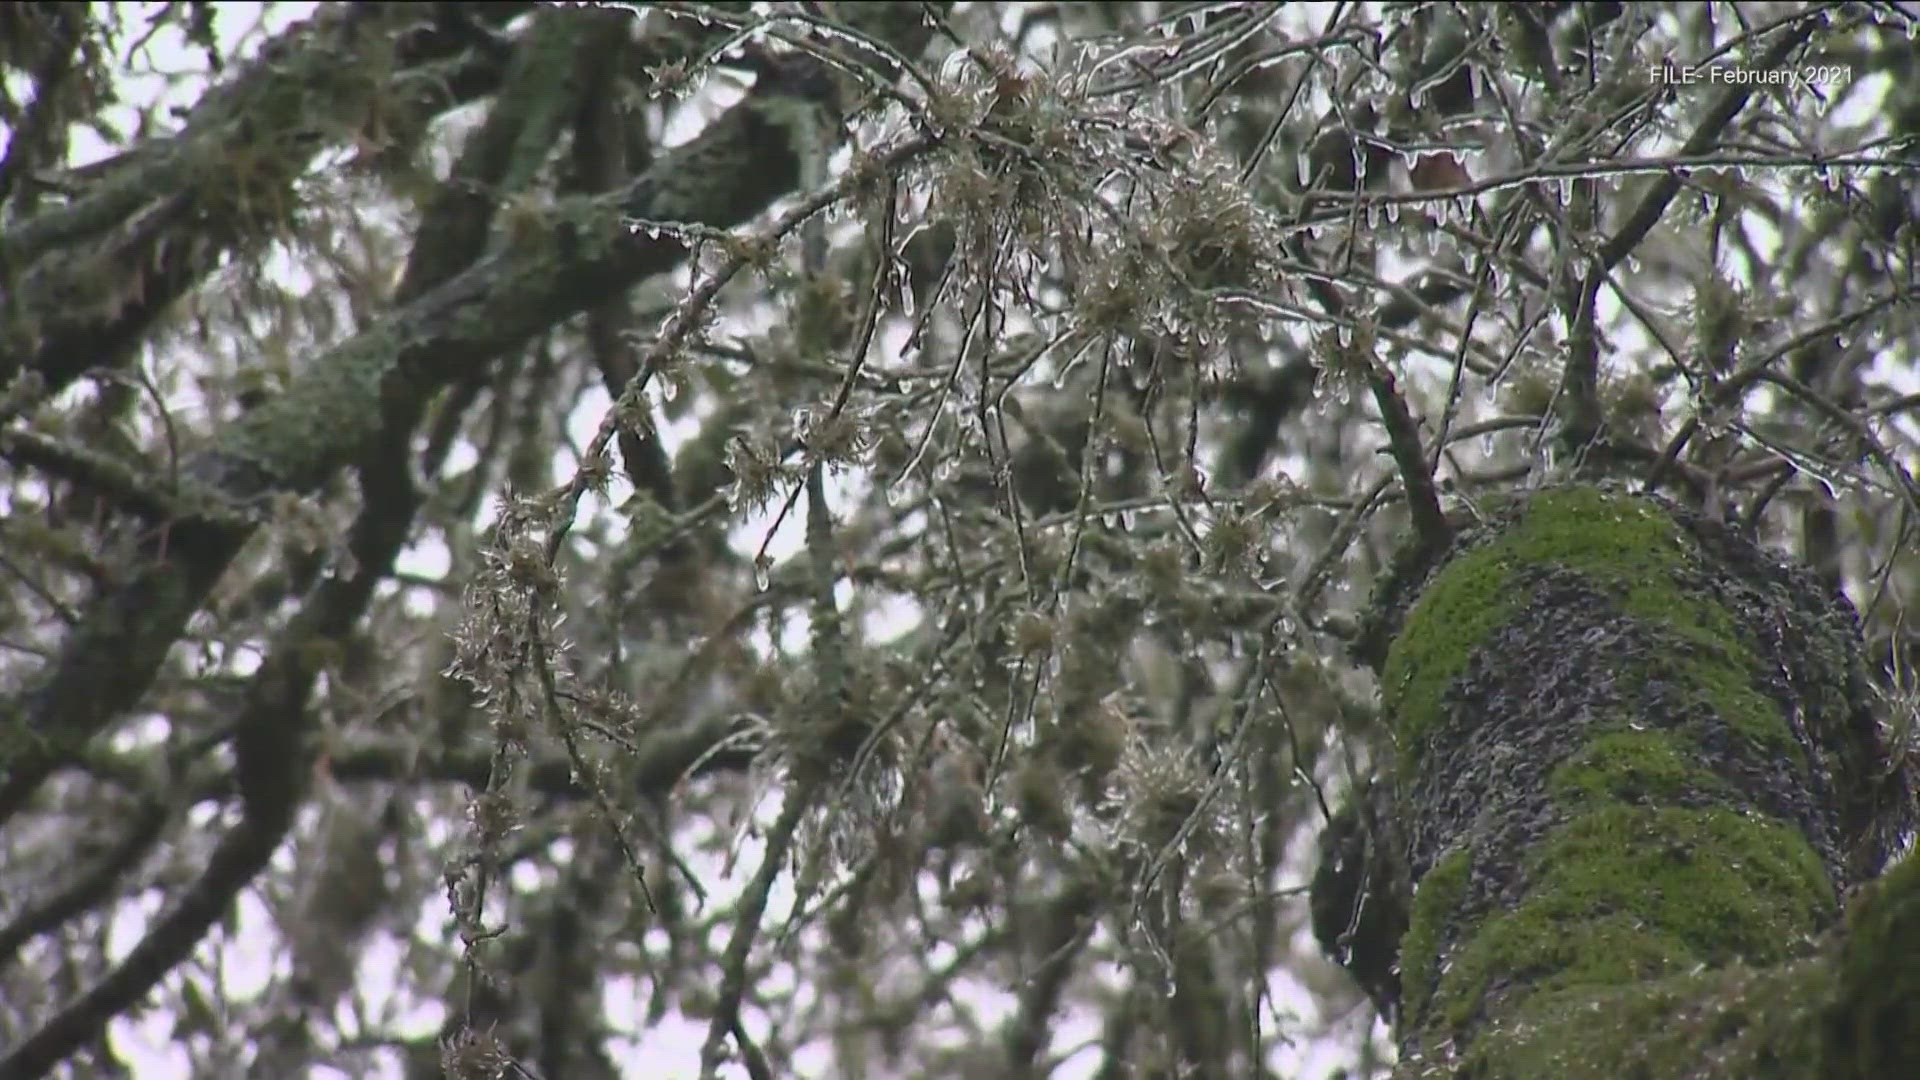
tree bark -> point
(1636, 788)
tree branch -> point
(96, 473)
(331, 414)
(181, 210)
(1653, 205)
(92, 887)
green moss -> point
(1628, 953)
(1623, 894)
(1434, 901)
(1631, 766)
(1713, 659)
(1624, 546)
(1608, 538)
(1463, 605)
(1723, 679)
(1873, 1024)
(1733, 1022)
(1627, 539)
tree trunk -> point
(1636, 787)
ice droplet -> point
(762, 571)
(903, 280)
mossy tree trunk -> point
(1636, 795)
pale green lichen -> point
(294, 437)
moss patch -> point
(1623, 894)
(1435, 900)
(1631, 766)
(1735, 1022)
(1873, 1024)
(1627, 547)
